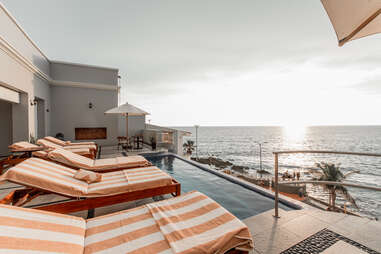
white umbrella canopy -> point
(354, 19)
(127, 110)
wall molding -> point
(14, 54)
(22, 30)
(84, 65)
(26, 63)
(84, 85)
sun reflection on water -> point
(294, 136)
(294, 132)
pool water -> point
(240, 201)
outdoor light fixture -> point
(90, 105)
(33, 102)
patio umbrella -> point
(354, 19)
(127, 110)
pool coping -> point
(292, 203)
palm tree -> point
(189, 146)
(331, 172)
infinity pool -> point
(239, 200)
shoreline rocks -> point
(219, 163)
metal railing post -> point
(276, 185)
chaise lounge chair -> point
(26, 146)
(76, 161)
(92, 149)
(68, 143)
(44, 177)
(191, 223)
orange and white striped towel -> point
(129, 180)
(49, 176)
(131, 231)
(67, 143)
(32, 231)
(81, 150)
(23, 145)
(77, 161)
(194, 223)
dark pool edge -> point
(295, 204)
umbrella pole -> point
(127, 126)
(360, 27)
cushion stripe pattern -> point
(46, 175)
(192, 223)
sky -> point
(217, 62)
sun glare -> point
(294, 131)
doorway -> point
(5, 127)
(41, 133)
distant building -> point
(40, 97)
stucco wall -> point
(12, 34)
(22, 69)
(16, 76)
(25, 69)
(81, 73)
(71, 110)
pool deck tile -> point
(273, 235)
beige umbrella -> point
(354, 19)
(127, 110)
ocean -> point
(237, 144)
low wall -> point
(292, 188)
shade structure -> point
(354, 19)
(127, 110)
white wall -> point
(12, 34)
(82, 73)
(71, 110)
(24, 69)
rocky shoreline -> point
(222, 164)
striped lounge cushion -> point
(81, 150)
(68, 143)
(57, 141)
(192, 223)
(57, 178)
(22, 145)
(32, 231)
(69, 158)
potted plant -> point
(189, 147)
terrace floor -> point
(273, 235)
(345, 233)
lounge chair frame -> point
(11, 161)
(21, 197)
